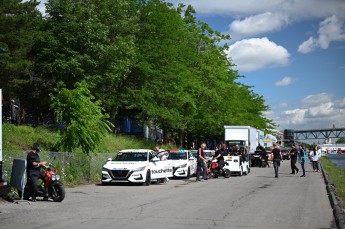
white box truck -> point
(244, 136)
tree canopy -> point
(143, 59)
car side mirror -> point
(109, 159)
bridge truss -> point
(319, 134)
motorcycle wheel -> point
(226, 173)
(209, 175)
(57, 192)
(215, 174)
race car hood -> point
(125, 165)
(178, 162)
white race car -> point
(184, 163)
(136, 166)
(235, 166)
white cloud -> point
(257, 24)
(331, 29)
(307, 46)
(315, 111)
(296, 116)
(285, 82)
(314, 100)
(282, 105)
(294, 9)
(257, 53)
(254, 17)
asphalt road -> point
(255, 201)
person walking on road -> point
(315, 159)
(201, 162)
(301, 158)
(293, 157)
(276, 157)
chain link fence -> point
(74, 168)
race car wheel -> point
(226, 173)
(188, 173)
(148, 178)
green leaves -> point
(85, 125)
(143, 59)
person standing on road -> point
(201, 162)
(319, 154)
(276, 157)
(315, 159)
(301, 158)
(244, 154)
(293, 157)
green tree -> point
(155, 90)
(85, 124)
(340, 141)
(19, 23)
(87, 40)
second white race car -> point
(184, 163)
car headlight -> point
(105, 169)
(139, 169)
(55, 177)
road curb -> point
(336, 203)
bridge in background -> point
(319, 134)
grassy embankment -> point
(336, 175)
(77, 167)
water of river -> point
(338, 159)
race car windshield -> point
(130, 156)
(178, 156)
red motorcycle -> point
(50, 187)
(216, 171)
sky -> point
(292, 53)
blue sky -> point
(291, 51)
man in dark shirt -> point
(276, 157)
(219, 155)
(34, 165)
(201, 162)
(223, 150)
(237, 151)
(293, 157)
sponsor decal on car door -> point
(160, 169)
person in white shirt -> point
(315, 159)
